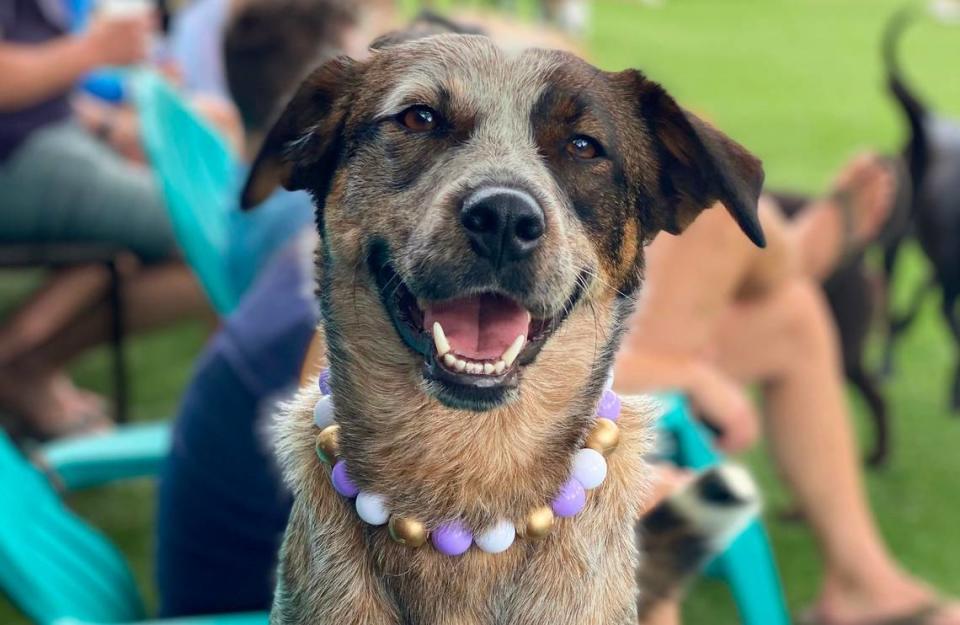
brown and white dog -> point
(496, 196)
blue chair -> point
(747, 566)
(55, 567)
(200, 179)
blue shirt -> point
(222, 506)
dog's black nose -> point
(503, 224)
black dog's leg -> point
(898, 324)
(890, 254)
(952, 316)
(877, 404)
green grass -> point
(799, 82)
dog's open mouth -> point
(473, 346)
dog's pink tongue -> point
(479, 327)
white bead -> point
(372, 508)
(589, 468)
(323, 412)
(497, 538)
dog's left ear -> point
(300, 150)
(699, 165)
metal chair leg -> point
(117, 340)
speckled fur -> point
(378, 185)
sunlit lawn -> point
(800, 83)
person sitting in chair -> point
(61, 184)
(718, 314)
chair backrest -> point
(200, 179)
(197, 175)
(52, 564)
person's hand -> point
(726, 407)
(666, 480)
(115, 40)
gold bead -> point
(328, 447)
(409, 532)
(605, 436)
(539, 523)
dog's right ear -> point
(300, 150)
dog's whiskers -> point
(599, 279)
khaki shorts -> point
(62, 185)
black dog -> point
(932, 157)
(850, 294)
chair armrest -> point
(691, 444)
(127, 452)
(247, 618)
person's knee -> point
(807, 324)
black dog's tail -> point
(916, 151)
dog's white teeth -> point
(513, 351)
(450, 360)
(440, 339)
(475, 368)
(459, 365)
(487, 368)
(499, 367)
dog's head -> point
(477, 208)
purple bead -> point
(609, 406)
(570, 500)
(324, 381)
(342, 482)
(451, 539)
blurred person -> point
(222, 509)
(196, 46)
(61, 183)
(717, 314)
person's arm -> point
(691, 283)
(32, 73)
(722, 401)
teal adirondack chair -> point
(747, 566)
(199, 177)
(55, 567)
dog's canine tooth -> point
(440, 339)
(460, 364)
(499, 367)
(487, 368)
(513, 351)
(449, 359)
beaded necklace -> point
(453, 538)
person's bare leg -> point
(665, 613)
(155, 297)
(50, 308)
(32, 386)
(808, 426)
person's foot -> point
(49, 406)
(863, 193)
(883, 601)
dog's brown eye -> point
(584, 148)
(419, 118)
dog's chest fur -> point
(336, 569)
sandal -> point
(921, 616)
